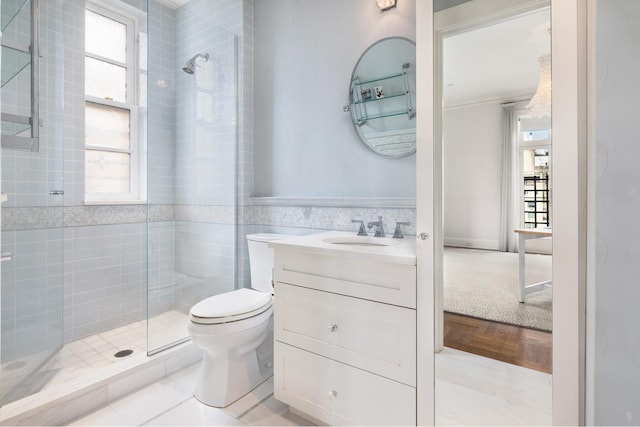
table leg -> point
(521, 252)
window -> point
(112, 150)
(534, 140)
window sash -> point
(91, 143)
(136, 168)
(137, 181)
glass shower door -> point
(31, 284)
(192, 123)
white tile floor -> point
(475, 390)
(169, 402)
(89, 366)
(470, 390)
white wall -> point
(615, 291)
(305, 145)
(472, 175)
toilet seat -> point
(230, 307)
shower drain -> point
(123, 353)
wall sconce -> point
(386, 4)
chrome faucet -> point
(398, 233)
(379, 227)
(361, 230)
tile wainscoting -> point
(104, 259)
(321, 213)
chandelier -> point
(540, 104)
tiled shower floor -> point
(86, 362)
(80, 358)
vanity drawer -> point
(379, 338)
(354, 276)
(338, 394)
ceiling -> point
(439, 5)
(496, 62)
(173, 4)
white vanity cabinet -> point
(345, 334)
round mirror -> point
(382, 95)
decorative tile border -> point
(332, 218)
(160, 213)
(309, 216)
(80, 216)
(245, 215)
(31, 218)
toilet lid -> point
(231, 304)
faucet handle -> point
(397, 234)
(361, 230)
(379, 227)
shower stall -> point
(32, 239)
(192, 163)
(84, 280)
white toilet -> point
(235, 330)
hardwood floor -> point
(508, 343)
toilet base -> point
(225, 378)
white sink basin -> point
(339, 243)
(357, 241)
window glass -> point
(107, 126)
(535, 168)
(105, 37)
(112, 149)
(104, 80)
(535, 135)
(107, 172)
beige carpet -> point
(484, 284)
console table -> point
(525, 234)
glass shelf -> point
(13, 61)
(18, 131)
(10, 8)
(395, 95)
(410, 113)
(12, 128)
(364, 82)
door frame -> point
(569, 88)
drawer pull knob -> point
(333, 328)
(333, 395)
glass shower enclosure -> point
(32, 159)
(72, 270)
(192, 151)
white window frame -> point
(137, 183)
(531, 145)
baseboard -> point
(460, 242)
(537, 246)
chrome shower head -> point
(188, 68)
(190, 65)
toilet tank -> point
(261, 260)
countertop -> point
(382, 249)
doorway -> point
(569, 108)
(484, 326)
